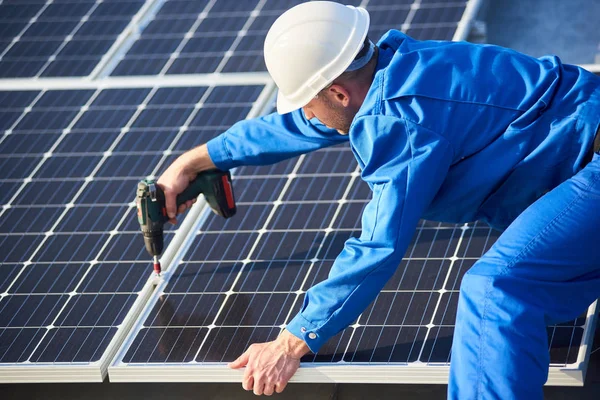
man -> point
(446, 131)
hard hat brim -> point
(284, 106)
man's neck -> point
(364, 88)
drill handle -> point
(193, 190)
(216, 187)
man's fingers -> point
(189, 203)
(258, 387)
(268, 369)
(170, 202)
(269, 389)
(240, 362)
(248, 383)
(181, 209)
(279, 386)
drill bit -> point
(157, 266)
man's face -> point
(330, 112)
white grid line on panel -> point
(64, 43)
(240, 35)
(56, 143)
(125, 39)
(187, 37)
(469, 16)
(136, 82)
(31, 22)
(452, 259)
(411, 14)
(9, 131)
(163, 153)
(255, 260)
(121, 204)
(214, 232)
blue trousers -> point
(544, 269)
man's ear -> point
(339, 94)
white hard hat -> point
(309, 46)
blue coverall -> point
(458, 132)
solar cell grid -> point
(256, 308)
(75, 263)
(283, 241)
(59, 38)
(227, 36)
(70, 158)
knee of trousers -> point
(507, 309)
(500, 341)
(522, 291)
(489, 291)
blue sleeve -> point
(405, 165)
(270, 139)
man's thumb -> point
(240, 362)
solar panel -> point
(73, 262)
(41, 38)
(243, 279)
(240, 281)
(228, 36)
(75, 273)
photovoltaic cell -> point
(186, 36)
(59, 38)
(73, 262)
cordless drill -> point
(152, 211)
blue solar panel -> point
(186, 37)
(73, 262)
(59, 38)
(244, 278)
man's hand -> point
(174, 181)
(269, 366)
(179, 175)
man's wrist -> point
(293, 345)
(196, 160)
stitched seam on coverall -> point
(381, 188)
(460, 101)
(488, 289)
(550, 224)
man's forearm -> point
(196, 160)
